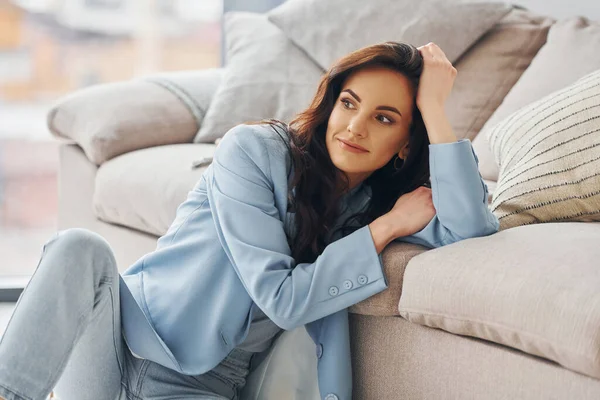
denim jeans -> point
(65, 336)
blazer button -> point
(331, 396)
(319, 350)
(333, 291)
(362, 279)
(347, 284)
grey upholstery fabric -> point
(266, 76)
(112, 119)
(328, 30)
(490, 68)
(142, 189)
(194, 88)
(393, 358)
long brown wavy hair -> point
(316, 180)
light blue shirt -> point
(188, 303)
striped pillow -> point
(549, 158)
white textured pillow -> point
(549, 158)
(328, 30)
(266, 76)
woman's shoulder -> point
(275, 134)
(262, 143)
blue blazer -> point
(188, 303)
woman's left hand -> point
(436, 79)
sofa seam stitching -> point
(478, 321)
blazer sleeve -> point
(241, 195)
(459, 196)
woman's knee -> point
(81, 243)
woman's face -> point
(374, 112)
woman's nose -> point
(357, 126)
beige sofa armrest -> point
(395, 258)
(531, 287)
(107, 120)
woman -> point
(284, 229)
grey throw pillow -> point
(194, 88)
(111, 119)
(328, 30)
(267, 76)
(116, 118)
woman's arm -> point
(459, 197)
(457, 189)
(435, 85)
(240, 189)
(438, 126)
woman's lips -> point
(346, 146)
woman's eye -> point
(381, 118)
(346, 103)
(387, 120)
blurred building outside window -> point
(49, 48)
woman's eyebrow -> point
(387, 108)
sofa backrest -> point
(560, 9)
(259, 6)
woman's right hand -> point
(412, 212)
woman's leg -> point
(65, 332)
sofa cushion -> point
(549, 158)
(328, 30)
(112, 119)
(266, 76)
(143, 189)
(533, 288)
(570, 53)
(490, 68)
(195, 88)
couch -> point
(497, 317)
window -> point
(51, 48)
(114, 4)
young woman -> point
(284, 229)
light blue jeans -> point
(65, 335)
